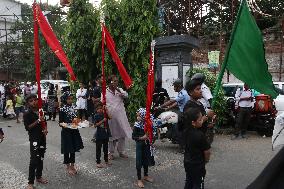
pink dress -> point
(118, 124)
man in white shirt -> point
(2, 92)
(206, 92)
(244, 101)
(34, 88)
(81, 102)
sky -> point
(52, 2)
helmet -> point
(198, 76)
(177, 82)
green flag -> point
(245, 56)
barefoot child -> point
(9, 108)
(37, 138)
(197, 149)
(102, 134)
(19, 106)
(144, 157)
(71, 140)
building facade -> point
(10, 13)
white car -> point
(60, 83)
(279, 101)
(230, 90)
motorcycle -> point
(262, 118)
(168, 126)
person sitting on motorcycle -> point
(179, 101)
(206, 93)
(193, 87)
(160, 96)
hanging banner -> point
(213, 57)
(37, 65)
(111, 48)
(150, 90)
(52, 40)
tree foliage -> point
(133, 24)
(184, 17)
(23, 46)
(82, 27)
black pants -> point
(194, 181)
(52, 115)
(37, 150)
(99, 145)
(243, 120)
(69, 158)
(139, 175)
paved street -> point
(234, 164)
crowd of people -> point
(113, 128)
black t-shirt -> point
(97, 92)
(102, 131)
(51, 94)
(159, 96)
(195, 145)
(199, 105)
(35, 133)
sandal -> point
(42, 181)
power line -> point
(11, 8)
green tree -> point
(25, 49)
(82, 32)
(133, 25)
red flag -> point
(37, 64)
(111, 47)
(150, 89)
(51, 39)
(104, 76)
(103, 69)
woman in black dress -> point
(71, 140)
(51, 102)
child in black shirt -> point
(197, 149)
(193, 88)
(37, 138)
(102, 134)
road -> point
(234, 164)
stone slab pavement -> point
(234, 164)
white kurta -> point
(118, 124)
(81, 99)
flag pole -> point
(225, 62)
